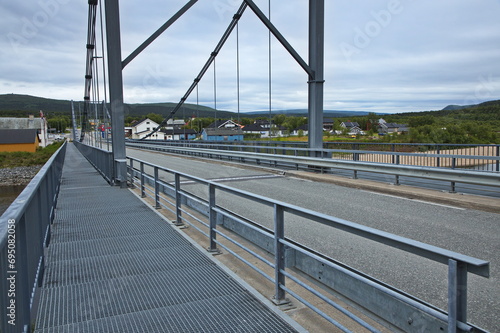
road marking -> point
(232, 179)
(415, 200)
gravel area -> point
(18, 175)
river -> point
(7, 195)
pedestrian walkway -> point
(114, 265)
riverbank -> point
(18, 176)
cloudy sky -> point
(380, 55)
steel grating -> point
(113, 265)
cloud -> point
(380, 55)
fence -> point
(101, 159)
(296, 158)
(24, 233)
(464, 156)
(289, 256)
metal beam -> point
(316, 62)
(158, 33)
(116, 91)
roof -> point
(393, 125)
(348, 124)
(13, 136)
(254, 128)
(304, 127)
(140, 122)
(223, 131)
(223, 123)
(20, 123)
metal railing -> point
(484, 157)
(386, 302)
(325, 163)
(24, 233)
(101, 159)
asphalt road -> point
(470, 232)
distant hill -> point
(22, 105)
(483, 112)
(304, 113)
(14, 105)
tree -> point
(157, 118)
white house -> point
(145, 127)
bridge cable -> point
(215, 94)
(270, 71)
(219, 46)
(88, 67)
(238, 69)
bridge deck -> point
(114, 265)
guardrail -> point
(324, 164)
(480, 156)
(386, 302)
(101, 159)
(24, 233)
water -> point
(8, 194)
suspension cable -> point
(215, 94)
(270, 71)
(238, 69)
(88, 66)
(219, 46)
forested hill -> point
(487, 111)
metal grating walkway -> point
(114, 265)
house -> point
(256, 129)
(353, 127)
(388, 128)
(264, 123)
(31, 122)
(19, 140)
(224, 124)
(175, 123)
(328, 124)
(144, 127)
(222, 134)
(304, 128)
(179, 134)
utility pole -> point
(316, 63)
(116, 91)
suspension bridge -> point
(79, 255)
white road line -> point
(415, 200)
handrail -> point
(24, 232)
(459, 264)
(443, 174)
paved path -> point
(114, 265)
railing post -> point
(212, 217)
(438, 159)
(279, 255)
(157, 189)
(143, 192)
(397, 176)
(131, 167)
(498, 161)
(453, 162)
(457, 294)
(178, 219)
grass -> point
(21, 158)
